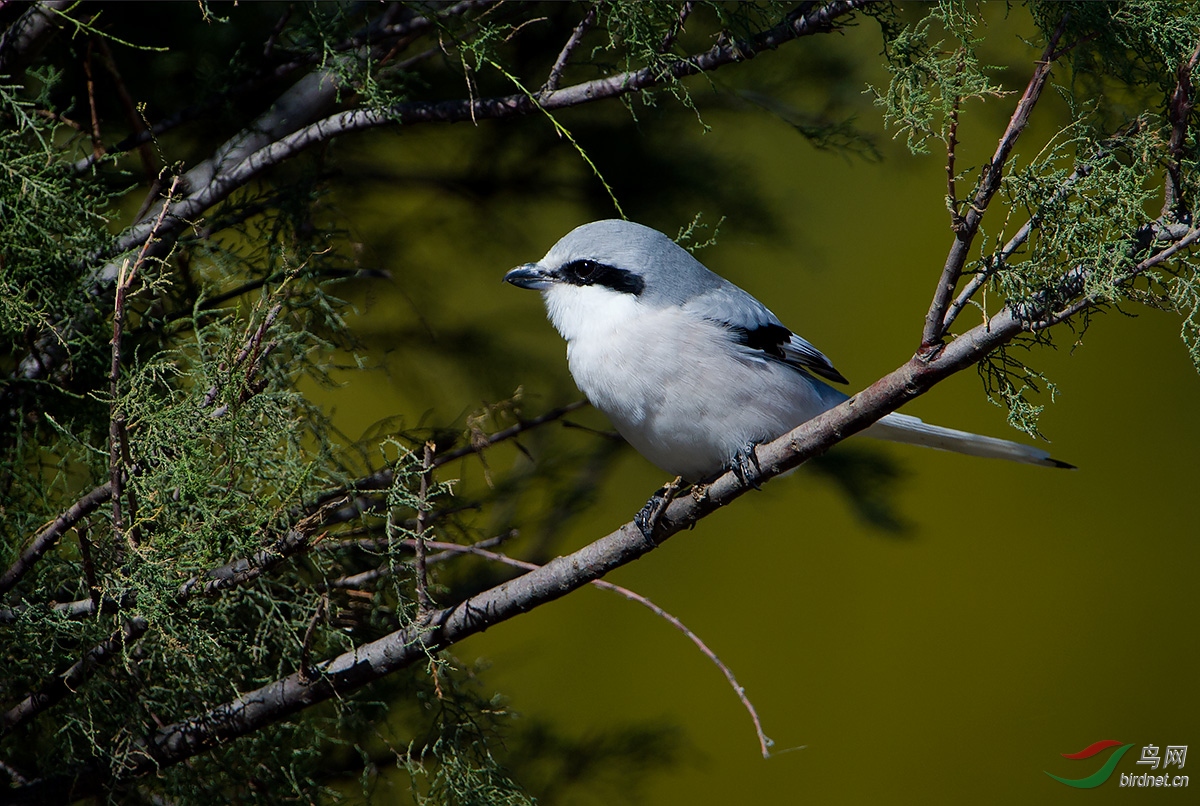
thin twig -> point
(424, 603)
(134, 118)
(934, 330)
(306, 668)
(956, 219)
(118, 450)
(980, 278)
(251, 349)
(89, 567)
(359, 580)
(382, 479)
(1192, 237)
(269, 46)
(97, 144)
(685, 11)
(764, 743)
(116, 419)
(560, 63)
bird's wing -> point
(753, 327)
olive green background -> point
(1021, 614)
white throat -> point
(582, 313)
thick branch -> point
(20, 44)
(345, 673)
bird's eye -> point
(585, 269)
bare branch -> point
(358, 580)
(132, 116)
(764, 743)
(50, 534)
(956, 219)
(89, 568)
(989, 183)
(118, 450)
(685, 11)
(97, 143)
(560, 63)
(382, 479)
(1179, 109)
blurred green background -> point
(1015, 613)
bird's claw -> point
(648, 516)
(745, 466)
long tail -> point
(912, 431)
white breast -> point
(674, 385)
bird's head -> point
(603, 271)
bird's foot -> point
(745, 466)
(648, 516)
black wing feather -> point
(781, 344)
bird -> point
(693, 371)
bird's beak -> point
(531, 275)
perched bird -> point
(692, 370)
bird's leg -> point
(648, 516)
(745, 463)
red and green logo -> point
(1099, 776)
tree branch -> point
(1077, 277)
(50, 534)
(382, 479)
(424, 603)
(477, 550)
(560, 63)
(338, 676)
(980, 278)
(1179, 109)
(989, 183)
(21, 42)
